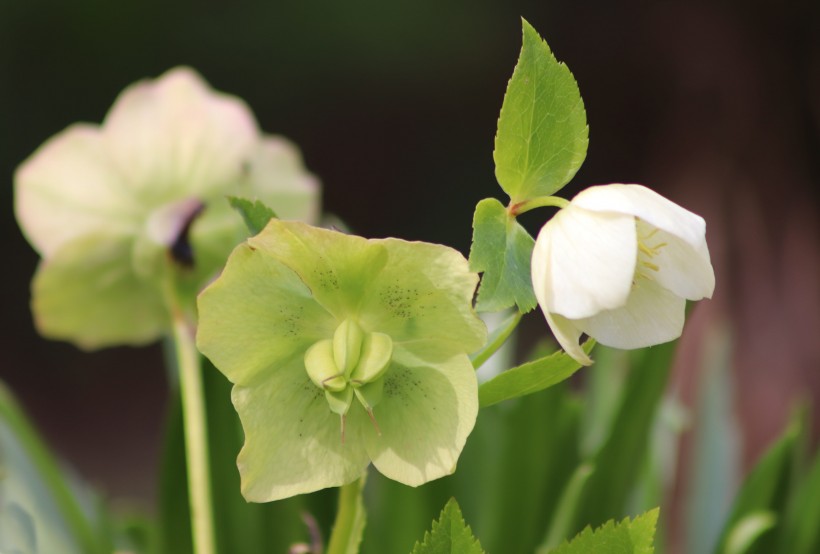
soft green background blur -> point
(394, 105)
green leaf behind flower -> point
(542, 130)
(255, 213)
(450, 535)
(530, 377)
(502, 249)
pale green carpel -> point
(117, 210)
(343, 351)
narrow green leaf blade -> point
(635, 536)
(617, 462)
(530, 377)
(542, 130)
(768, 485)
(255, 214)
(748, 530)
(801, 533)
(501, 249)
(37, 499)
(450, 535)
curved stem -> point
(350, 520)
(539, 202)
(497, 340)
(196, 436)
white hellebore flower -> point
(113, 208)
(618, 263)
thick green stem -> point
(350, 520)
(196, 437)
(497, 340)
(539, 202)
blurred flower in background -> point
(112, 209)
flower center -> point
(170, 226)
(646, 251)
(351, 364)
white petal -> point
(568, 335)
(68, 188)
(278, 178)
(652, 315)
(682, 268)
(590, 263)
(648, 205)
(174, 137)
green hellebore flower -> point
(343, 351)
(112, 208)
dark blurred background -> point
(394, 105)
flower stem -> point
(196, 437)
(350, 520)
(497, 339)
(539, 202)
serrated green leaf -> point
(501, 249)
(530, 377)
(450, 535)
(255, 213)
(542, 130)
(635, 536)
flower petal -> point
(174, 137)
(652, 315)
(424, 292)
(589, 259)
(68, 188)
(293, 442)
(568, 336)
(427, 411)
(684, 269)
(88, 293)
(278, 177)
(338, 268)
(257, 316)
(648, 205)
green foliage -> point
(254, 213)
(450, 535)
(625, 444)
(542, 130)
(40, 509)
(501, 249)
(530, 377)
(627, 537)
(778, 505)
(800, 529)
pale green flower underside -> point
(290, 287)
